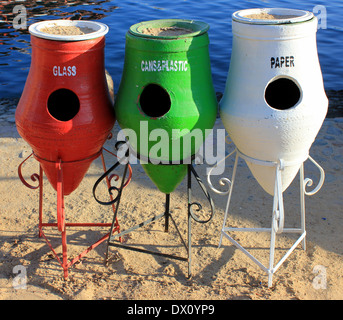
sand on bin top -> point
(66, 30)
(166, 31)
(267, 16)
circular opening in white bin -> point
(93, 29)
(272, 16)
(282, 93)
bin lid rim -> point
(100, 29)
(291, 16)
(198, 28)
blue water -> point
(120, 15)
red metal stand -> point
(61, 224)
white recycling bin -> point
(274, 101)
(273, 106)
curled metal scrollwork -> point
(109, 177)
(309, 182)
(222, 181)
(197, 204)
(34, 177)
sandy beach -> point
(218, 273)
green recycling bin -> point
(166, 101)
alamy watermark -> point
(321, 14)
(159, 146)
(20, 279)
(20, 19)
(160, 150)
(319, 281)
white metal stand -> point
(277, 225)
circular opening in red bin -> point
(154, 101)
(63, 104)
(282, 94)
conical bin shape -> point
(274, 101)
(166, 96)
(166, 177)
(65, 112)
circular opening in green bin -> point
(154, 101)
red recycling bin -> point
(65, 112)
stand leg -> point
(109, 186)
(40, 226)
(302, 204)
(61, 217)
(277, 219)
(191, 215)
(60, 197)
(120, 190)
(64, 254)
(167, 213)
(189, 246)
(229, 198)
(271, 253)
(189, 221)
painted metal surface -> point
(274, 101)
(65, 112)
(166, 87)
